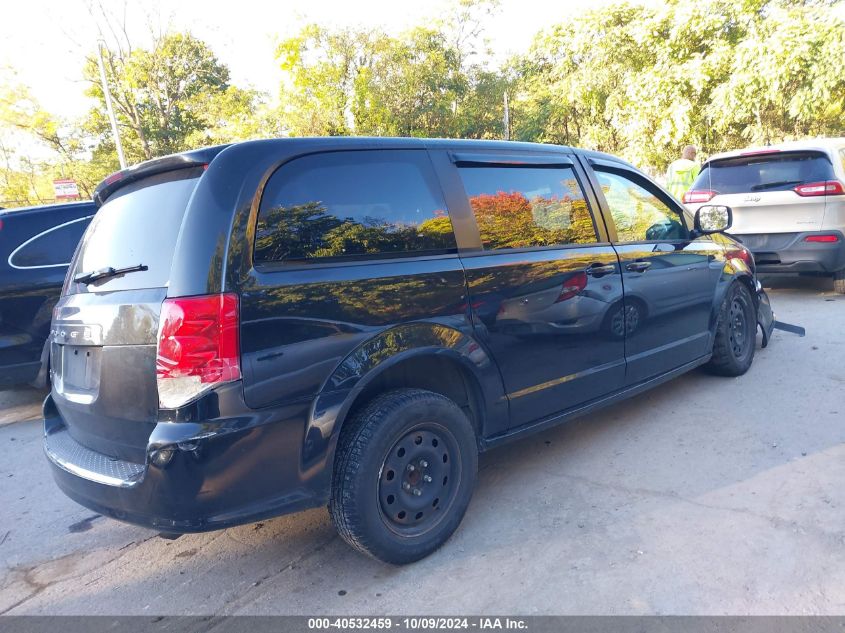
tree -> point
(323, 69)
(167, 97)
(410, 88)
(425, 82)
(784, 80)
(642, 82)
(572, 82)
(37, 147)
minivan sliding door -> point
(544, 285)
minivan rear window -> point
(778, 171)
(139, 224)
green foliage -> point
(422, 83)
(638, 81)
(27, 180)
(169, 98)
(642, 82)
(784, 80)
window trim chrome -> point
(37, 236)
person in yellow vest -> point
(682, 172)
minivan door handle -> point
(638, 267)
(600, 270)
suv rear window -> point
(778, 171)
(341, 205)
(138, 224)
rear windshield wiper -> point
(105, 273)
(772, 185)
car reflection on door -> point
(668, 297)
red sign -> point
(65, 188)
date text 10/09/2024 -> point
(414, 624)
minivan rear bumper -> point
(792, 253)
(195, 477)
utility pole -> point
(507, 119)
(120, 157)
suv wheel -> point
(404, 475)
(736, 333)
(839, 282)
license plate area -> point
(78, 371)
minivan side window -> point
(51, 248)
(528, 206)
(639, 213)
(351, 204)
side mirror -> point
(713, 218)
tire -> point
(736, 333)
(382, 506)
(839, 282)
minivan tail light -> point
(198, 347)
(827, 239)
(699, 195)
(825, 188)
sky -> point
(43, 43)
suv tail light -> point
(825, 188)
(822, 238)
(573, 286)
(699, 195)
(198, 347)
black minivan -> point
(269, 326)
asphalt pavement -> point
(707, 495)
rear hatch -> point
(770, 191)
(103, 349)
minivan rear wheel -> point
(736, 333)
(839, 282)
(404, 474)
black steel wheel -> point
(419, 479)
(736, 333)
(404, 474)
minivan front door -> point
(669, 280)
(545, 290)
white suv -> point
(788, 204)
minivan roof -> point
(407, 142)
(818, 144)
(204, 156)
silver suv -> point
(788, 204)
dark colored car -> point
(270, 326)
(37, 246)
